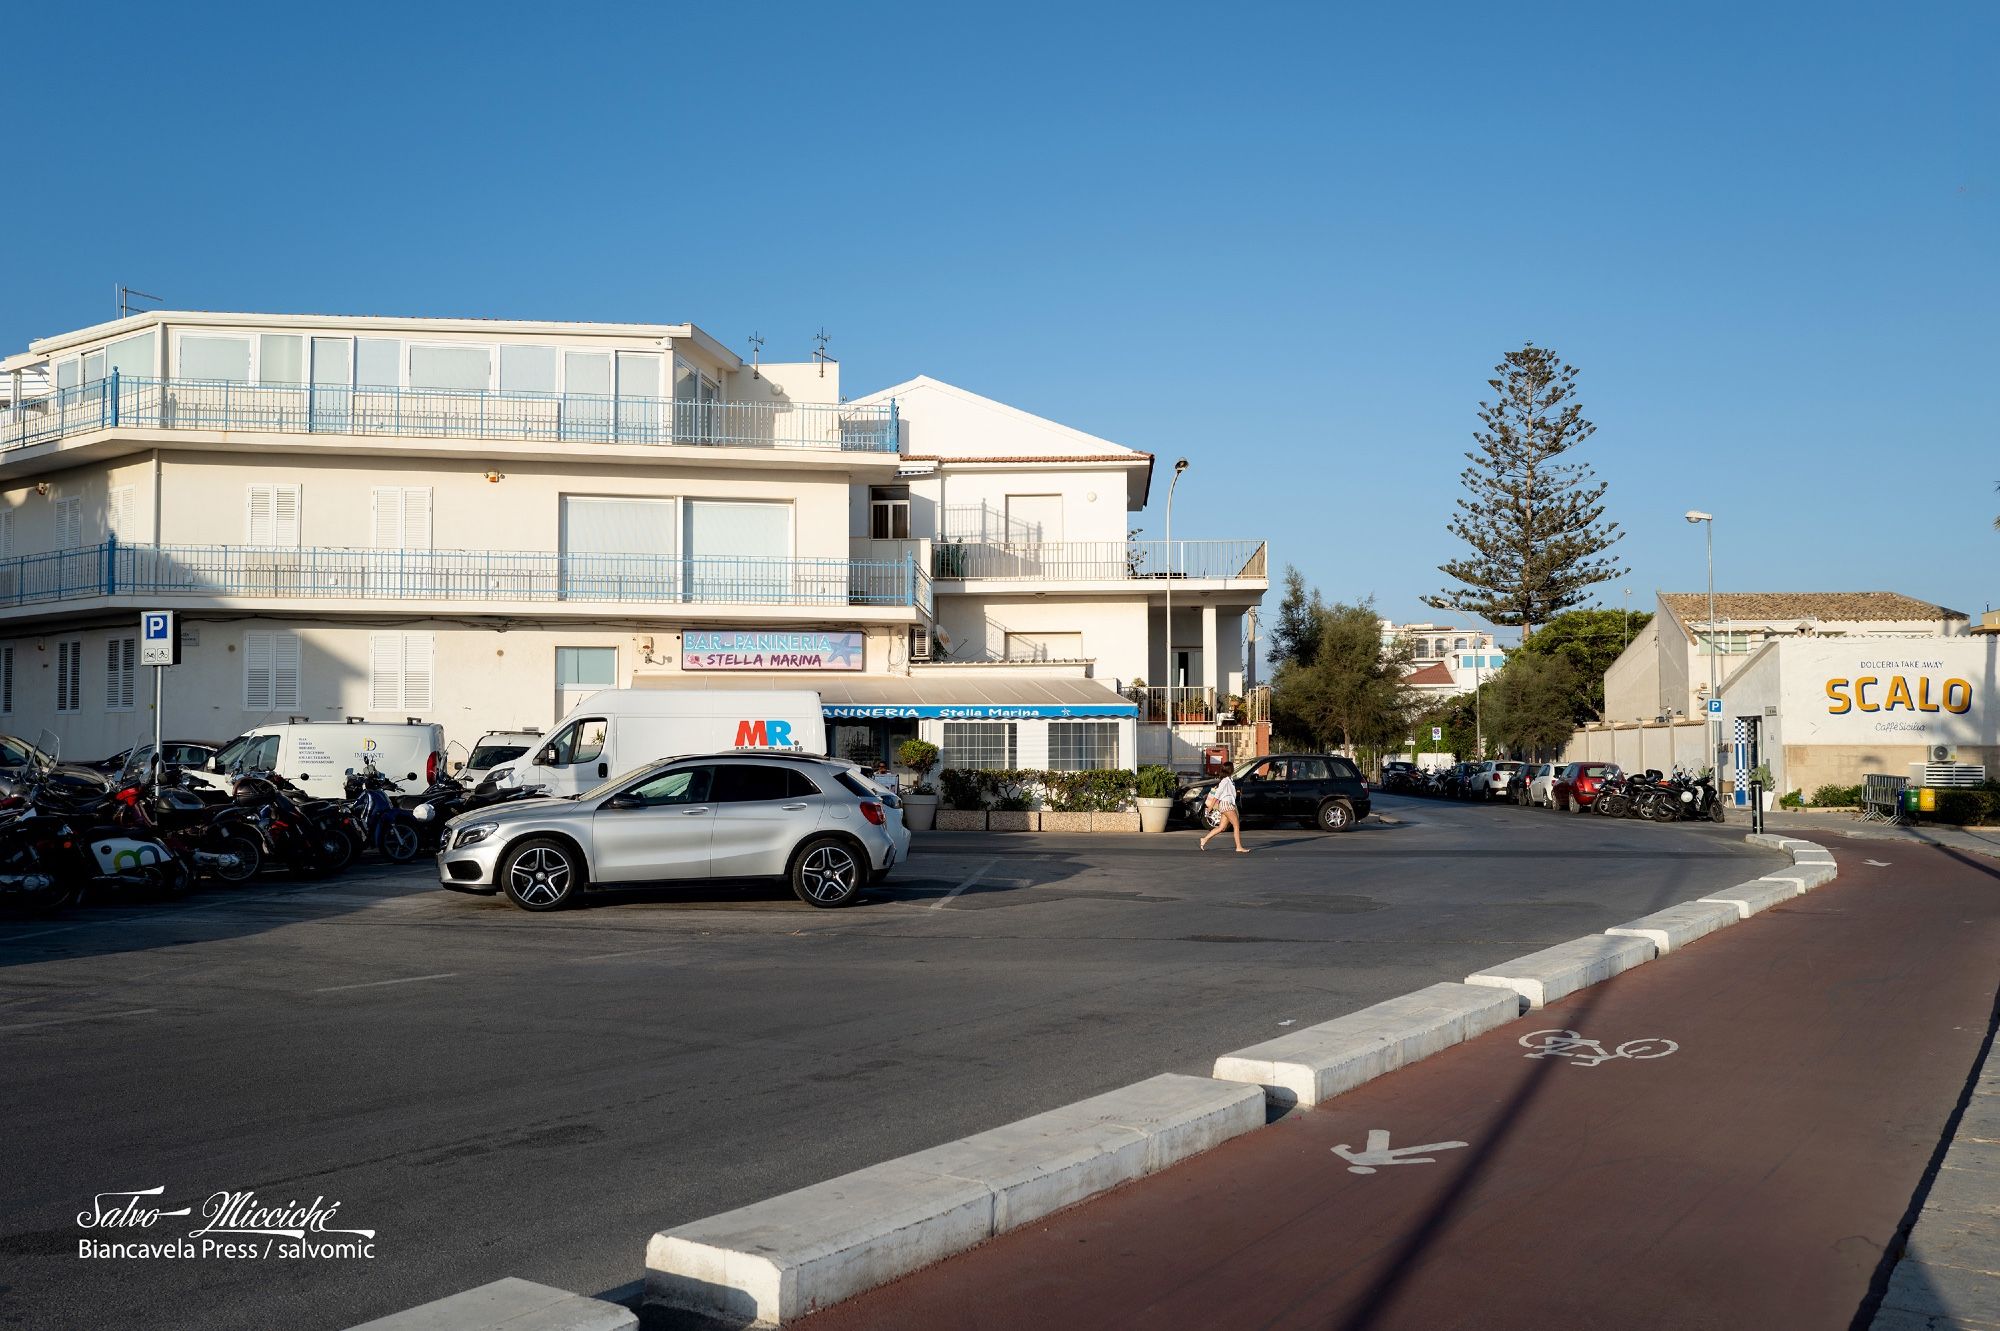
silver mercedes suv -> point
(818, 823)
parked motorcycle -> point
(53, 849)
(310, 837)
(384, 825)
(219, 841)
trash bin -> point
(1926, 800)
(1215, 760)
(1910, 800)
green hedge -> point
(1968, 808)
(1017, 788)
(1835, 797)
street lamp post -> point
(1173, 705)
(1714, 685)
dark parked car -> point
(192, 754)
(19, 758)
(1575, 788)
(1323, 789)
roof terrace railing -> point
(468, 576)
(1098, 561)
(436, 413)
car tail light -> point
(872, 811)
(431, 765)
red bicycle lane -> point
(1750, 1177)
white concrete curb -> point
(1317, 1063)
(777, 1260)
(509, 1305)
(1677, 926)
(1540, 978)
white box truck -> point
(616, 730)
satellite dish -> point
(942, 638)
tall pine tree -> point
(1534, 522)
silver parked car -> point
(818, 823)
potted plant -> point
(920, 803)
(1156, 787)
(1761, 775)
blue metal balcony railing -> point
(327, 573)
(1098, 561)
(428, 413)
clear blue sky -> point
(1286, 243)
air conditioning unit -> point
(1943, 753)
(920, 642)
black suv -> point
(1323, 789)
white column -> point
(1209, 647)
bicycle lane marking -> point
(1755, 1176)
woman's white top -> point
(1225, 792)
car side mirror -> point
(411, 777)
(212, 765)
(349, 772)
(547, 757)
(626, 800)
(458, 767)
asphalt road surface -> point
(496, 1093)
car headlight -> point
(472, 836)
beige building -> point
(479, 522)
(1664, 673)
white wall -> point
(1114, 631)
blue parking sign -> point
(159, 643)
(1715, 707)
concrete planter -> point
(1129, 820)
(1065, 822)
(961, 820)
(1153, 814)
(920, 812)
(1002, 820)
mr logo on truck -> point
(770, 734)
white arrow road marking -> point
(1378, 1153)
(1880, 864)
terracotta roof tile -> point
(1837, 607)
(1434, 673)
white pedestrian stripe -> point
(1880, 864)
(971, 878)
(1379, 1153)
(1589, 1053)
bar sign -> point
(159, 644)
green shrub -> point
(920, 756)
(1157, 782)
(1088, 792)
(1791, 799)
(1968, 808)
(961, 789)
(1833, 797)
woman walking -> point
(1223, 800)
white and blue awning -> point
(998, 696)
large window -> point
(281, 358)
(617, 549)
(456, 366)
(400, 670)
(121, 664)
(69, 675)
(586, 667)
(270, 672)
(973, 745)
(133, 356)
(528, 369)
(206, 356)
(737, 551)
(1083, 746)
(378, 362)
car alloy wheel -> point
(1336, 816)
(827, 873)
(540, 876)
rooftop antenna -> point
(819, 352)
(125, 297)
(756, 341)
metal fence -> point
(1882, 797)
(196, 404)
(1098, 561)
(320, 572)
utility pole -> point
(1173, 705)
(1714, 684)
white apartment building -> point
(480, 522)
(1445, 661)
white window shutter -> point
(257, 672)
(417, 518)
(385, 517)
(285, 515)
(285, 671)
(118, 512)
(69, 523)
(129, 660)
(419, 658)
(6, 532)
(6, 681)
(257, 528)
(112, 683)
(385, 671)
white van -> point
(619, 729)
(315, 756)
